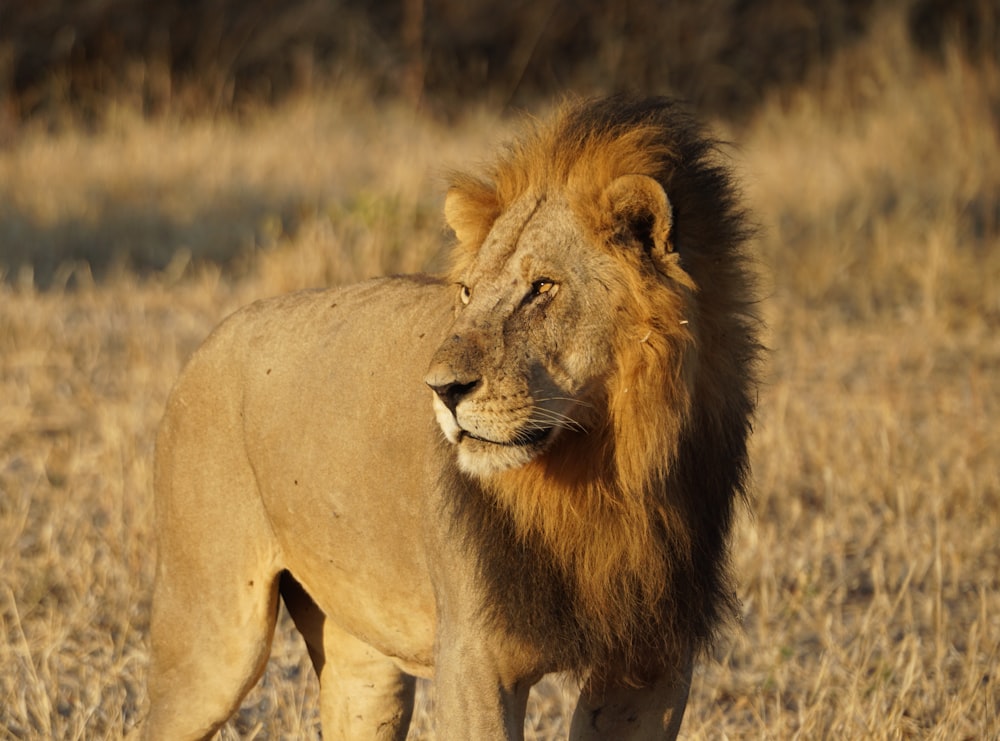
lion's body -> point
(592, 380)
(293, 415)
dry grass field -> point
(869, 569)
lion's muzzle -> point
(490, 433)
(450, 386)
(454, 371)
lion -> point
(558, 500)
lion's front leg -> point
(473, 700)
(651, 713)
(363, 695)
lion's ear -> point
(470, 208)
(640, 212)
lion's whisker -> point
(570, 399)
(541, 416)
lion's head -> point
(545, 306)
(598, 376)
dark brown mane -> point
(616, 541)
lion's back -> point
(311, 373)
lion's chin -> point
(482, 458)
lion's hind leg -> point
(200, 671)
(216, 592)
(211, 636)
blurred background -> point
(80, 66)
(724, 56)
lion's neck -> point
(611, 543)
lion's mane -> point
(627, 527)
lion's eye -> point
(543, 285)
(465, 295)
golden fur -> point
(611, 506)
(591, 355)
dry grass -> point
(870, 571)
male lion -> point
(591, 364)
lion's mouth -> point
(523, 439)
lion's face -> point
(542, 310)
(530, 345)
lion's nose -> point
(453, 373)
(451, 392)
